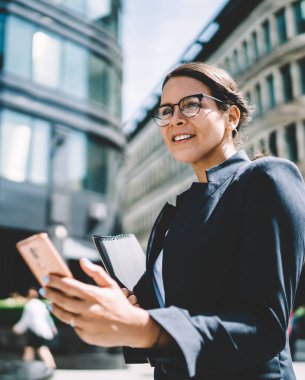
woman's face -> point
(205, 138)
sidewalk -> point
(133, 372)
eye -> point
(189, 104)
(165, 111)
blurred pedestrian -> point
(39, 329)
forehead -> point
(177, 88)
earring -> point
(235, 134)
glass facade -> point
(24, 148)
(105, 12)
(31, 151)
(287, 82)
(61, 65)
(299, 15)
(60, 138)
(281, 25)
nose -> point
(177, 118)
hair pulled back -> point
(221, 84)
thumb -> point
(97, 273)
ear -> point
(233, 116)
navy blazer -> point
(232, 259)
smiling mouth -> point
(182, 138)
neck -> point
(210, 161)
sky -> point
(154, 35)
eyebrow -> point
(165, 104)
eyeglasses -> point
(188, 106)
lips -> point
(182, 137)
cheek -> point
(164, 135)
(216, 125)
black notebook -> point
(122, 257)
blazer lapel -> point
(156, 239)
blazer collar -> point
(218, 180)
(224, 170)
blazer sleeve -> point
(269, 258)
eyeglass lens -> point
(188, 106)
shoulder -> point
(34, 304)
(271, 170)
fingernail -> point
(49, 306)
(46, 279)
(42, 292)
(87, 262)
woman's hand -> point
(131, 297)
(101, 315)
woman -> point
(40, 329)
(222, 265)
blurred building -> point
(262, 44)
(61, 138)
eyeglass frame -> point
(199, 96)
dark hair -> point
(221, 84)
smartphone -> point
(42, 257)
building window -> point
(281, 25)
(273, 143)
(74, 70)
(18, 42)
(228, 64)
(98, 80)
(267, 39)
(24, 148)
(271, 93)
(248, 97)
(291, 142)
(115, 91)
(287, 83)
(105, 12)
(2, 20)
(301, 64)
(259, 100)
(46, 53)
(299, 16)
(246, 54)
(60, 64)
(263, 146)
(255, 45)
(236, 61)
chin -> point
(185, 159)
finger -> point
(132, 299)
(97, 273)
(126, 292)
(69, 286)
(67, 303)
(65, 316)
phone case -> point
(42, 257)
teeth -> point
(182, 137)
